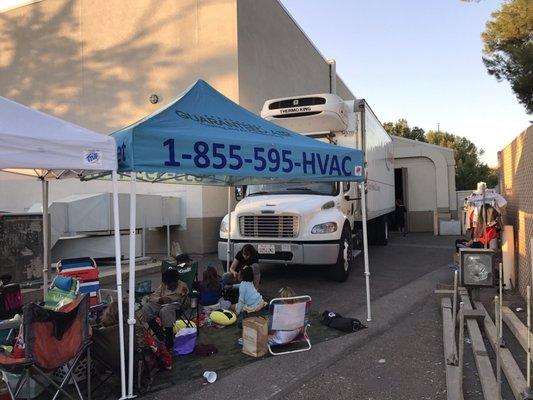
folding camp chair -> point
(286, 315)
(188, 274)
(10, 312)
(52, 339)
(10, 301)
(86, 271)
(105, 352)
(142, 290)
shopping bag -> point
(255, 336)
(184, 341)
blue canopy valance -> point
(205, 138)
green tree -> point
(508, 48)
(469, 169)
(401, 128)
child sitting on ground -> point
(284, 337)
(210, 288)
(250, 300)
(164, 302)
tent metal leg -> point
(46, 237)
(365, 252)
(131, 302)
(168, 237)
(118, 266)
(228, 252)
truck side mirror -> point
(239, 192)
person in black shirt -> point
(246, 257)
(400, 212)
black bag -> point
(344, 324)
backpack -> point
(337, 321)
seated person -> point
(283, 337)
(210, 288)
(164, 302)
(246, 257)
(250, 300)
(154, 352)
(110, 318)
(478, 242)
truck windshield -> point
(320, 188)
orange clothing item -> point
(488, 236)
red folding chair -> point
(52, 339)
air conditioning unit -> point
(308, 114)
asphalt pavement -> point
(399, 356)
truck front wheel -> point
(339, 272)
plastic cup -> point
(210, 376)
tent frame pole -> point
(46, 237)
(168, 237)
(365, 252)
(131, 295)
(118, 267)
(228, 252)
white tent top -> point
(38, 144)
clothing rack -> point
(479, 200)
(486, 198)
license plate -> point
(266, 249)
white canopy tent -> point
(37, 144)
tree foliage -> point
(508, 48)
(401, 128)
(469, 170)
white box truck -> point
(317, 223)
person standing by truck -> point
(400, 216)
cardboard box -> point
(255, 336)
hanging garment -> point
(486, 237)
(469, 222)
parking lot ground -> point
(399, 356)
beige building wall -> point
(430, 182)
(516, 185)
(276, 59)
(97, 62)
(421, 192)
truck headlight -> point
(224, 226)
(327, 227)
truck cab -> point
(316, 223)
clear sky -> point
(419, 60)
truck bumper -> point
(323, 253)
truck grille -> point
(273, 226)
